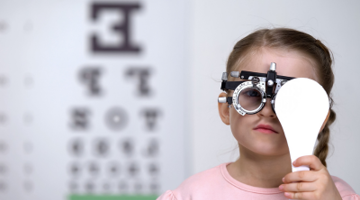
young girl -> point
(263, 170)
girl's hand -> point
(314, 184)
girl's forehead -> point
(288, 63)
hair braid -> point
(322, 148)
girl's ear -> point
(224, 110)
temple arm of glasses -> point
(230, 85)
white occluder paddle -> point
(301, 106)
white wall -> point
(217, 25)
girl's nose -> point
(267, 110)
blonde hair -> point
(285, 38)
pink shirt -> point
(217, 184)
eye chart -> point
(92, 99)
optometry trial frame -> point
(250, 96)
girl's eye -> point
(252, 93)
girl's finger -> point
(312, 161)
(300, 195)
(298, 187)
(307, 176)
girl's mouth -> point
(267, 129)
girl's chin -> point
(262, 149)
(270, 151)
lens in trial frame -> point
(250, 99)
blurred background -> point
(118, 99)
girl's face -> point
(268, 140)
